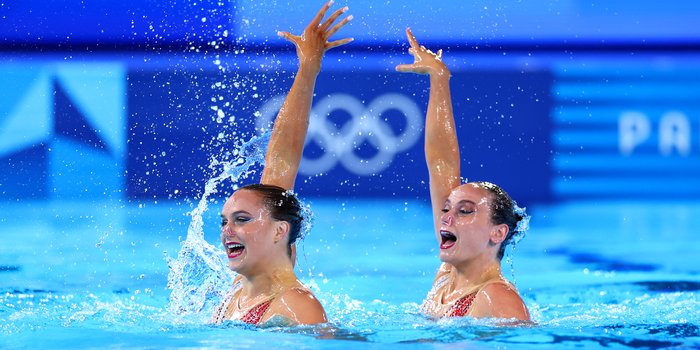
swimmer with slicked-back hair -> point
(474, 222)
(260, 223)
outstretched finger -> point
(289, 36)
(319, 16)
(338, 26)
(412, 39)
(337, 43)
(405, 68)
(332, 18)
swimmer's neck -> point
(474, 274)
(269, 281)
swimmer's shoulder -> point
(299, 306)
(499, 300)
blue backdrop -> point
(366, 134)
(134, 99)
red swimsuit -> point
(254, 315)
(461, 306)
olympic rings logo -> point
(365, 125)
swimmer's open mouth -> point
(448, 239)
(234, 249)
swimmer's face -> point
(466, 231)
(248, 232)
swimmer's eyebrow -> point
(463, 201)
(236, 213)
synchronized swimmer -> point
(473, 222)
(261, 222)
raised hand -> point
(313, 42)
(441, 148)
(287, 140)
(425, 61)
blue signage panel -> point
(96, 129)
(626, 131)
(62, 130)
(365, 136)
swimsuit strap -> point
(254, 315)
(441, 281)
(220, 311)
(428, 303)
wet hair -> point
(504, 210)
(283, 206)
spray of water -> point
(199, 276)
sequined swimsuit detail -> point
(461, 306)
(254, 315)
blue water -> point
(594, 274)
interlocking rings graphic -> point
(365, 124)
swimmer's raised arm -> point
(289, 132)
(441, 147)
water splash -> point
(199, 276)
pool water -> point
(594, 275)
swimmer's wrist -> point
(309, 69)
(440, 75)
